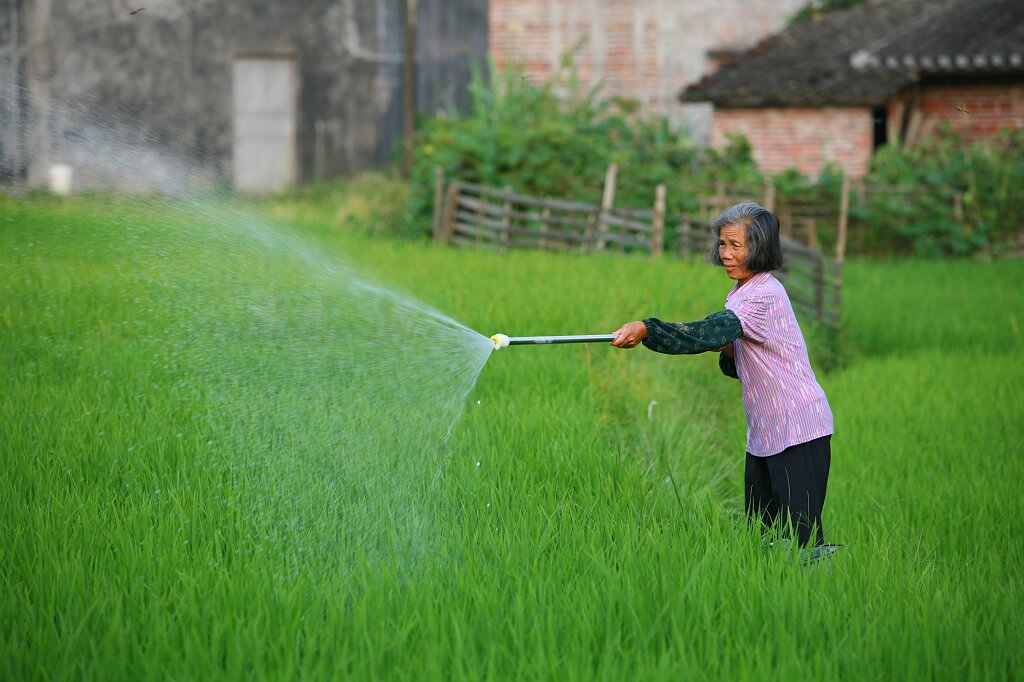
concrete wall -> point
(646, 50)
(805, 139)
(11, 90)
(97, 82)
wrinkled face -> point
(732, 249)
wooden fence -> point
(488, 216)
(478, 215)
(802, 215)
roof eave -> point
(730, 101)
(1012, 62)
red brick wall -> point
(989, 107)
(646, 50)
(805, 139)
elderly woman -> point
(789, 422)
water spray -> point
(501, 341)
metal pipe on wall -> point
(409, 76)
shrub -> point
(923, 219)
(550, 139)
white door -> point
(264, 116)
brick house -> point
(833, 89)
(641, 50)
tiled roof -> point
(861, 56)
(959, 37)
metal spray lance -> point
(501, 341)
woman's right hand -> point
(630, 335)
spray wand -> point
(501, 341)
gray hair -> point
(761, 229)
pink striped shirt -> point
(784, 403)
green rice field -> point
(223, 460)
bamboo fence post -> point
(844, 219)
(819, 287)
(607, 200)
(481, 212)
(451, 206)
(769, 193)
(785, 216)
(506, 217)
(844, 222)
(545, 213)
(658, 223)
(438, 202)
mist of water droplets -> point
(326, 400)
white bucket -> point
(60, 179)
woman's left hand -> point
(630, 335)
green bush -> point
(923, 219)
(551, 139)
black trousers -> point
(790, 488)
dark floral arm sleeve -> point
(688, 338)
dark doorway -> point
(881, 127)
